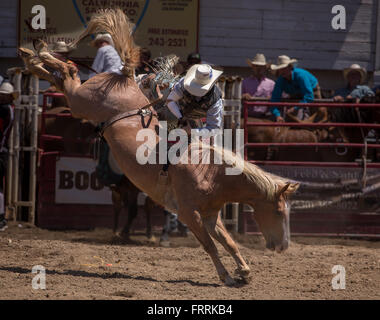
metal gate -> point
(336, 198)
(23, 146)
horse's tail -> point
(117, 24)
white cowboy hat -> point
(258, 60)
(103, 37)
(7, 88)
(200, 78)
(358, 68)
(61, 47)
(283, 62)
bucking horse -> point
(195, 191)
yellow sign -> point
(163, 26)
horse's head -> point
(273, 217)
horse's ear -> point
(294, 187)
(283, 189)
(288, 188)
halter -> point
(143, 111)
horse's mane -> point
(117, 24)
(266, 182)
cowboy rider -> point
(196, 96)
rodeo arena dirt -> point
(111, 191)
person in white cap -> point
(355, 76)
(7, 95)
(257, 85)
(196, 96)
(107, 59)
(296, 82)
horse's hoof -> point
(244, 275)
(242, 272)
(152, 239)
(165, 243)
(229, 282)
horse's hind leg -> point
(215, 227)
(68, 71)
(194, 222)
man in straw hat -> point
(61, 50)
(196, 96)
(257, 85)
(355, 76)
(297, 82)
(7, 95)
(107, 59)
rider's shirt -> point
(192, 107)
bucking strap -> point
(141, 111)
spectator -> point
(376, 90)
(355, 76)
(297, 82)
(192, 59)
(145, 66)
(107, 59)
(61, 50)
(257, 85)
(7, 96)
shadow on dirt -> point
(114, 275)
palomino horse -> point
(196, 192)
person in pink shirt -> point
(258, 85)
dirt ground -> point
(93, 265)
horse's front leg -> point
(193, 220)
(216, 228)
(117, 206)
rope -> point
(334, 185)
(333, 200)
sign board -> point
(76, 182)
(163, 26)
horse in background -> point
(281, 134)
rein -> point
(141, 111)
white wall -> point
(231, 31)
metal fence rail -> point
(332, 207)
(25, 125)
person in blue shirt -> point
(297, 82)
